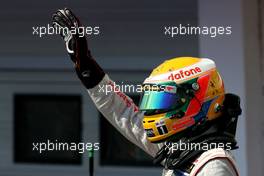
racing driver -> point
(185, 120)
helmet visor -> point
(161, 98)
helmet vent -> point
(151, 121)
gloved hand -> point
(89, 72)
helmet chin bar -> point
(220, 130)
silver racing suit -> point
(124, 115)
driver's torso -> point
(123, 114)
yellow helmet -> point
(179, 94)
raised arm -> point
(118, 108)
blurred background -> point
(41, 97)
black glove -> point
(89, 72)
